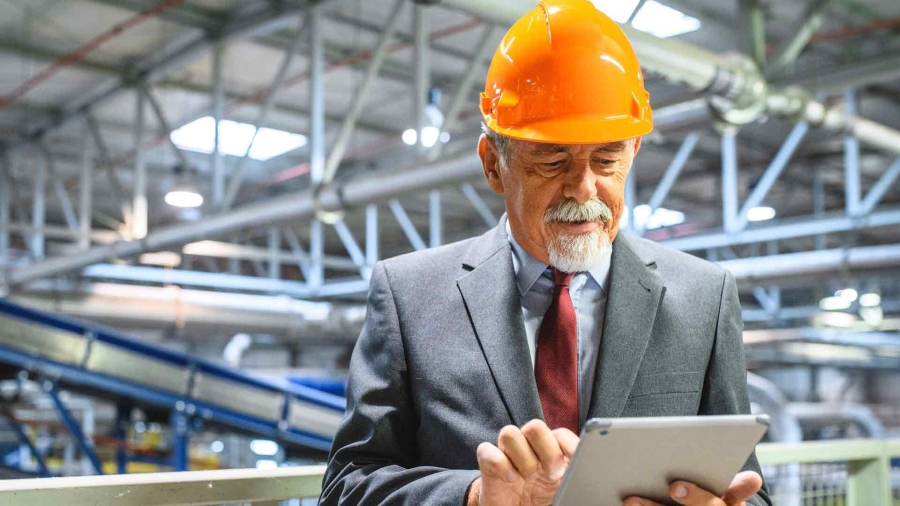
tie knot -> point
(561, 278)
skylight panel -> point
(619, 10)
(234, 139)
(663, 21)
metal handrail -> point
(192, 488)
(868, 482)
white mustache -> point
(571, 211)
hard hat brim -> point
(576, 130)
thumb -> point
(567, 440)
(744, 486)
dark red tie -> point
(556, 361)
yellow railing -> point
(860, 475)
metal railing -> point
(194, 488)
(817, 473)
(851, 472)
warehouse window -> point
(652, 17)
(234, 139)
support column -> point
(5, 205)
(218, 108)
(274, 253)
(123, 423)
(819, 206)
(630, 199)
(179, 426)
(38, 209)
(317, 146)
(139, 203)
(371, 234)
(729, 181)
(851, 160)
(435, 219)
(421, 81)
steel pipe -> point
(331, 197)
(826, 413)
(754, 270)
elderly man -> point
(480, 361)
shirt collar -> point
(529, 269)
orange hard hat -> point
(566, 73)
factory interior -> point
(194, 195)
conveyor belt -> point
(90, 358)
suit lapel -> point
(634, 297)
(488, 288)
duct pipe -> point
(813, 262)
(784, 426)
(336, 196)
(136, 306)
(817, 414)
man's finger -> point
(545, 447)
(516, 447)
(689, 494)
(639, 501)
(744, 486)
(567, 440)
(493, 463)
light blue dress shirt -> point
(588, 291)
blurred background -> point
(181, 296)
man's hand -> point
(744, 486)
(525, 467)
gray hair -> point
(502, 142)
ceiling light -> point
(430, 136)
(264, 447)
(445, 137)
(183, 197)
(834, 304)
(760, 213)
(848, 294)
(663, 21)
(161, 258)
(217, 446)
(870, 300)
(410, 137)
(647, 218)
(235, 138)
(873, 316)
(619, 10)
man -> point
(480, 361)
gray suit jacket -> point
(442, 363)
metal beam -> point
(407, 225)
(770, 176)
(422, 79)
(487, 216)
(38, 209)
(752, 26)
(301, 258)
(112, 173)
(729, 181)
(674, 170)
(371, 234)
(237, 176)
(218, 111)
(803, 30)
(5, 204)
(852, 188)
(880, 188)
(62, 195)
(435, 219)
(140, 217)
(464, 90)
(801, 227)
(317, 140)
(164, 125)
(350, 244)
(361, 94)
(274, 253)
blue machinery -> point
(106, 364)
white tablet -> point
(623, 457)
